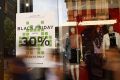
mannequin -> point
(74, 42)
(110, 40)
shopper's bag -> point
(83, 73)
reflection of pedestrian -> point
(18, 68)
(112, 65)
(55, 72)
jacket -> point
(106, 41)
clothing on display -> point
(72, 54)
(75, 48)
(96, 49)
(75, 56)
(87, 42)
(97, 42)
(67, 48)
(111, 40)
(72, 47)
(98, 39)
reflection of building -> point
(11, 9)
(94, 10)
(7, 12)
(89, 8)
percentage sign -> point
(44, 41)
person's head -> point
(110, 29)
(54, 54)
(72, 30)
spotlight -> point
(27, 4)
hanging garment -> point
(67, 48)
(96, 49)
(75, 56)
(98, 39)
(112, 40)
(107, 42)
(97, 42)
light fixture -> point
(27, 4)
(98, 22)
(88, 23)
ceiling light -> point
(27, 4)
